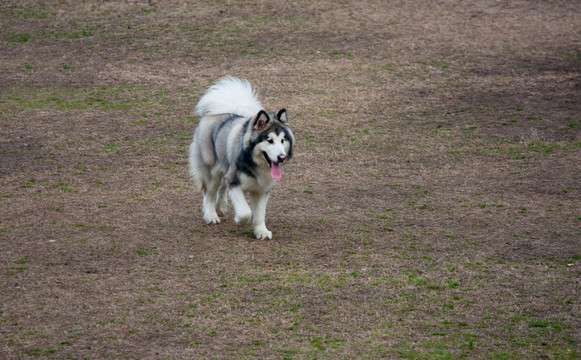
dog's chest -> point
(261, 183)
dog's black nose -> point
(281, 158)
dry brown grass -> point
(432, 209)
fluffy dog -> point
(238, 148)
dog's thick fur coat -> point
(238, 148)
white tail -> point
(230, 95)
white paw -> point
(211, 218)
(243, 219)
(262, 233)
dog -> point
(238, 148)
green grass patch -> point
(125, 97)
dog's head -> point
(273, 140)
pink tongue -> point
(275, 171)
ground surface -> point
(432, 209)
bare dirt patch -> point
(432, 209)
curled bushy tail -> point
(230, 95)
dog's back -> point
(229, 99)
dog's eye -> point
(282, 141)
(270, 141)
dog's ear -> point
(260, 121)
(281, 116)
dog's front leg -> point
(259, 213)
(242, 211)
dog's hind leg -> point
(222, 201)
(241, 209)
(259, 201)
(212, 186)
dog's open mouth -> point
(274, 167)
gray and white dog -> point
(238, 148)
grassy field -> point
(432, 209)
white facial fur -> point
(274, 146)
